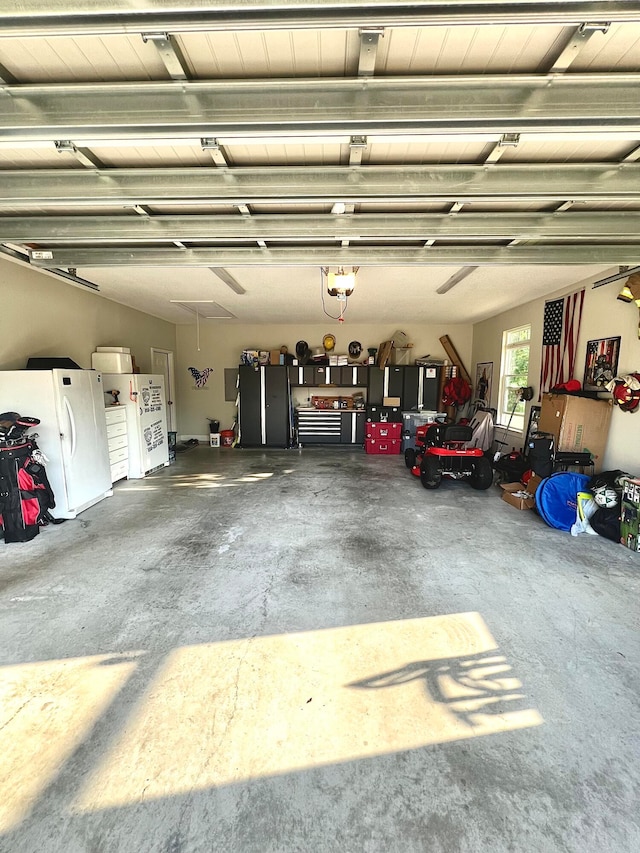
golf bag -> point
(26, 497)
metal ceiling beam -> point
(576, 45)
(6, 77)
(82, 155)
(91, 17)
(169, 53)
(354, 255)
(215, 151)
(187, 228)
(368, 51)
(625, 272)
(507, 140)
(632, 156)
(69, 275)
(28, 189)
(308, 107)
(357, 146)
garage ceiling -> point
(144, 150)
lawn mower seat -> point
(483, 430)
(440, 434)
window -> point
(514, 374)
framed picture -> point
(601, 363)
(484, 376)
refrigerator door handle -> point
(72, 424)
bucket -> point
(214, 426)
(226, 437)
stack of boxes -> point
(578, 424)
(383, 430)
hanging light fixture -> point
(341, 283)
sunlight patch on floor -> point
(46, 710)
(221, 713)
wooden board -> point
(455, 358)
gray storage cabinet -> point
(264, 407)
(417, 386)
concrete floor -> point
(307, 651)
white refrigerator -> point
(143, 397)
(72, 432)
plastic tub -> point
(226, 437)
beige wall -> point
(45, 316)
(221, 345)
(603, 316)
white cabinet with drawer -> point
(118, 442)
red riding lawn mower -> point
(441, 451)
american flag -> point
(559, 338)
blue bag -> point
(556, 498)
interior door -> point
(411, 387)
(276, 399)
(250, 407)
(162, 364)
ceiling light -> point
(341, 283)
(455, 279)
(228, 279)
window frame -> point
(503, 410)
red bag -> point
(456, 392)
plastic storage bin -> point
(112, 362)
(382, 446)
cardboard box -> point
(534, 482)
(391, 401)
(276, 357)
(519, 495)
(578, 424)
